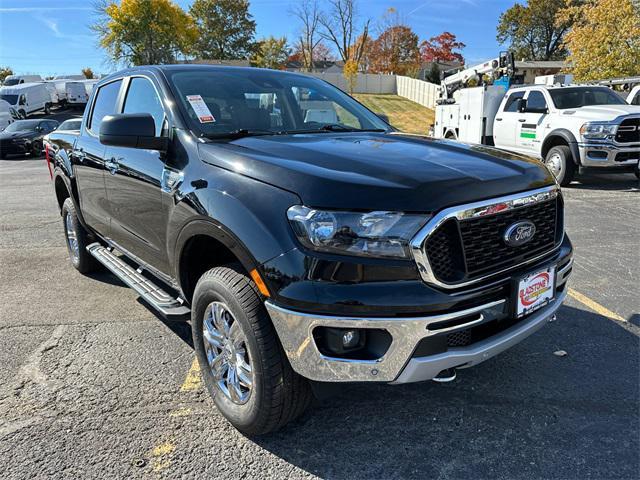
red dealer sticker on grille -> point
(535, 291)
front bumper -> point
(15, 148)
(608, 154)
(399, 364)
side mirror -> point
(132, 130)
(382, 117)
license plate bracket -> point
(533, 291)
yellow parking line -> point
(161, 456)
(595, 306)
(193, 381)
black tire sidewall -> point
(85, 262)
(568, 168)
(243, 417)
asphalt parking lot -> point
(93, 384)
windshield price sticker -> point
(200, 108)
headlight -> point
(372, 234)
(597, 130)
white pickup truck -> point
(568, 127)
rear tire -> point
(77, 239)
(559, 161)
(269, 393)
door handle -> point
(498, 119)
(522, 120)
(111, 165)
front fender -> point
(568, 137)
(245, 215)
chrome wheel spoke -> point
(227, 355)
(244, 375)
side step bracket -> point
(163, 302)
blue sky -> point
(53, 36)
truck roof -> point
(20, 87)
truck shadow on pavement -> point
(606, 182)
(526, 413)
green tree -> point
(87, 72)
(532, 30)
(271, 52)
(226, 29)
(605, 39)
(5, 72)
(144, 32)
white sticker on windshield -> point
(200, 108)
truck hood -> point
(603, 113)
(377, 171)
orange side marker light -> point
(255, 276)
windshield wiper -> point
(336, 127)
(239, 133)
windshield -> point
(10, 99)
(224, 103)
(70, 125)
(577, 97)
(11, 81)
(23, 126)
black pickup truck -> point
(306, 240)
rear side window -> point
(105, 104)
(142, 98)
(536, 100)
(512, 104)
(636, 100)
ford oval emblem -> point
(519, 233)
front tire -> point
(241, 360)
(77, 239)
(559, 161)
(47, 109)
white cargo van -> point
(60, 86)
(6, 115)
(12, 80)
(89, 84)
(76, 93)
(53, 93)
(27, 98)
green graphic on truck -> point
(528, 131)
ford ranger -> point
(307, 241)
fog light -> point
(350, 338)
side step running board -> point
(167, 305)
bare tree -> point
(339, 26)
(308, 13)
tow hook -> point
(448, 375)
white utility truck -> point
(27, 98)
(567, 127)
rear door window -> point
(105, 104)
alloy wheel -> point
(227, 354)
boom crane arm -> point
(501, 66)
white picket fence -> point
(419, 91)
